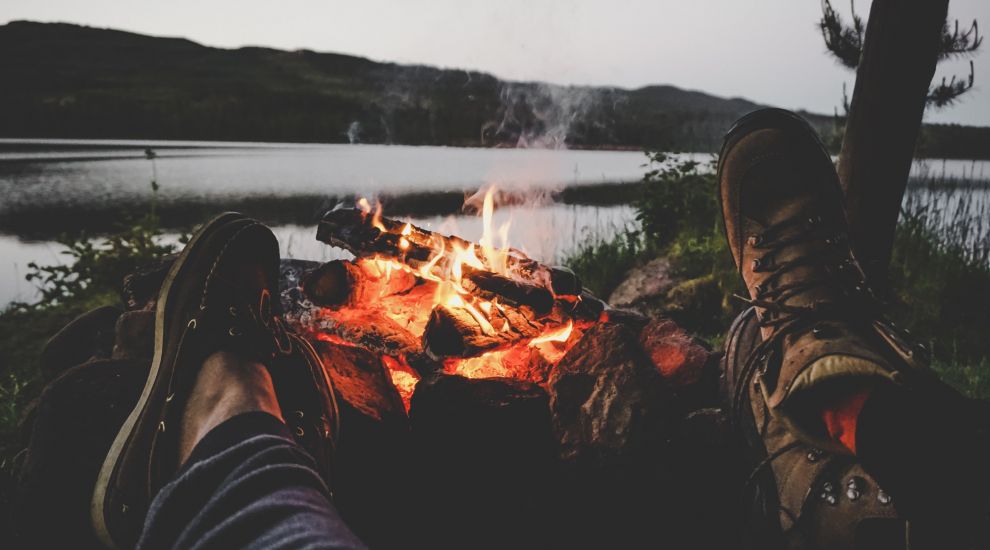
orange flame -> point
(444, 272)
(376, 218)
(560, 334)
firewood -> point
(331, 284)
(353, 230)
(366, 328)
(518, 292)
(456, 332)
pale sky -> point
(768, 51)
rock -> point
(484, 464)
(503, 415)
(708, 481)
(676, 355)
(607, 398)
(695, 304)
(141, 287)
(291, 273)
(644, 285)
(135, 335)
(655, 290)
(371, 459)
(70, 431)
(361, 380)
(87, 336)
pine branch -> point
(959, 43)
(845, 43)
(947, 93)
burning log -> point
(341, 282)
(367, 235)
(459, 332)
(369, 329)
(332, 284)
(489, 285)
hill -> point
(70, 81)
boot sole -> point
(107, 479)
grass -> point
(602, 264)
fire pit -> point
(428, 303)
(498, 396)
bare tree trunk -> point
(898, 61)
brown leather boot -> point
(797, 495)
(786, 227)
(220, 294)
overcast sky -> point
(769, 51)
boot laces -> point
(836, 269)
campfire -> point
(484, 394)
(427, 303)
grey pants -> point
(246, 485)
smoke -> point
(354, 132)
(544, 116)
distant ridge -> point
(70, 81)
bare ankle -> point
(226, 386)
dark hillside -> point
(69, 81)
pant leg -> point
(247, 484)
(931, 452)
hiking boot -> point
(220, 294)
(820, 327)
(797, 495)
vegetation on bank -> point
(939, 274)
(91, 277)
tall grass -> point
(940, 275)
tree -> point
(895, 55)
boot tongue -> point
(818, 361)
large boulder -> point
(484, 459)
(607, 398)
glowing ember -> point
(403, 378)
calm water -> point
(81, 173)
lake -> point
(41, 180)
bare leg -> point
(226, 386)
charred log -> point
(332, 284)
(521, 293)
(456, 332)
(585, 306)
(365, 328)
(355, 231)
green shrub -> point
(98, 266)
(678, 198)
(602, 264)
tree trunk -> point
(896, 68)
